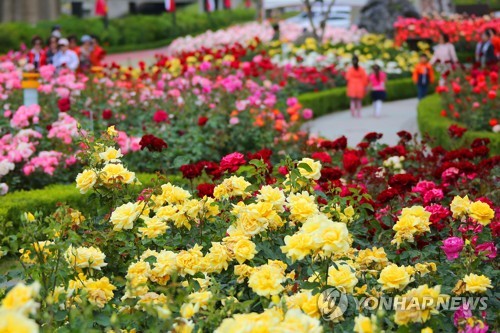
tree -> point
(322, 23)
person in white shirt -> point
(65, 57)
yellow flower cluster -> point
(412, 221)
(15, 308)
(418, 304)
(479, 211)
(271, 320)
(318, 234)
(85, 257)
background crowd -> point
(76, 55)
(359, 83)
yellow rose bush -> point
(257, 247)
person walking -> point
(485, 51)
(423, 76)
(36, 55)
(357, 82)
(98, 53)
(65, 57)
(377, 81)
(444, 51)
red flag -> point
(248, 3)
(101, 8)
(227, 4)
(209, 5)
(170, 6)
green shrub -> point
(139, 31)
(430, 122)
(45, 200)
(335, 99)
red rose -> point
(404, 135)
(372, 136)
(387, 195)
(283, 170)
(232, 161)
(398, 150)
(205, 189)
(190, 171)
(402, 182)
(492, 94)
(152, 143)
(202, 121)
(263, 154)
(160, 116)
(64, 104)
(351, 161)
(107, 114)
(330, 173)
(456, 131)
(322, 156)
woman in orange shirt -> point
(357, 81)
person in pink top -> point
(357, 82)
(377, 81)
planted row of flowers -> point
(256, 243)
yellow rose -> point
(477, 283)
(217, 259)
(297, 246)
(99, 292)
(86, 180)
(123, 217)
(231, 187)
(188, 310)
(200, 298)
(111, 155)
(459, 206)
(154, 227)
(164, 267)
(85, 257)
(112, 132)
(394, 277)
(243, 250)
(116, 173)
(13, 321)
(481, 212)
(343, 278)
(21, 299)
(314, 166)
(364, 324)
(302, 206)
(266, 280)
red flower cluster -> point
(64, 104)
(152, 143)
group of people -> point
(359, 82)
(66, 52)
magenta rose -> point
(232, 161)
(452, 247)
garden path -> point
(133, 57)
(396, 116)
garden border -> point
(431, 122)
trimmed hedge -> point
(131, 32)
(45, 200)
(335, 99)
(436, 126)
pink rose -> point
(307, 113)
(452, 247)
(232, 161)
(488, 249)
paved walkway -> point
(396, 116)
(132, 58)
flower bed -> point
(470, 97)
(257, 243)
(432, 123)
(464, 31)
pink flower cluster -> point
(46, 161)
(65, 128)
(22, 117)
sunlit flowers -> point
(85, 257)
(477, 284)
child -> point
(377, 83)
(357, 81)
(423, 75)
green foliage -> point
(45, 200)
(141, 31)
(335, 99)
(432, 123)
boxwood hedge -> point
(436, 126)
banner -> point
(170, 6)
(227, 4)
(101, 8)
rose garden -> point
(184, 194)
